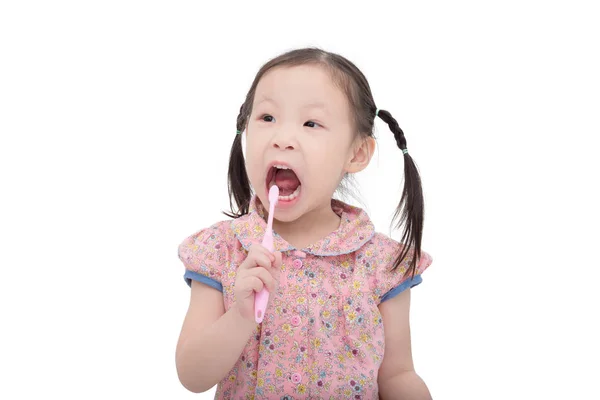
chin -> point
(287, 215)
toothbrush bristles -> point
(273, 194)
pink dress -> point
(322, 335)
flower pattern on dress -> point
(322, 335)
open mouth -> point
(286, 180)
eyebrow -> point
(317, 104)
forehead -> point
(299, 86)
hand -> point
(261, 268)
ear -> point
(362, 151)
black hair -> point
(350, 79)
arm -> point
(397, 377)
(211, 339)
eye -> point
(311, 124)
(270, 118)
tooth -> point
(291, 196)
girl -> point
(334, 283)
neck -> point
(310, 227)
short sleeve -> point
(394, 282)
(205, 257)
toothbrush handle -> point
(262, 298)
(260, 305)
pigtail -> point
(238, 184)
(411, 206)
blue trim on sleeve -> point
(402, 287)
(189, 275)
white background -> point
(116, 120)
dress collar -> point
(354, 231)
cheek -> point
(254, 164)
(256, 137)
(326, 168)
(254, 144)
(331, 156)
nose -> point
(283, 141)
(278, 145)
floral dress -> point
(322, 336)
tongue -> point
(287, 181)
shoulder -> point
(217, 232)
(379, 255)
(212, 242)
(383, 250)
(380, 250)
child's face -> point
(301, 119)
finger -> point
(265, 277)
(276, 266)
(273, 265)
(255, 258)
(255, 283)
(262, 260)
(260, 249)
(263, 274)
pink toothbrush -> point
(262, 298)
